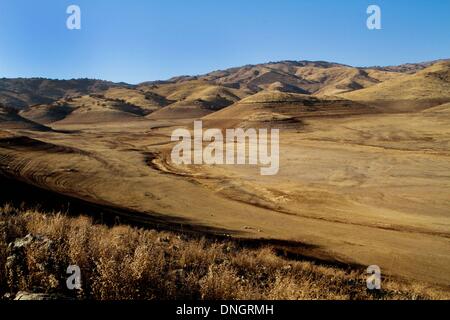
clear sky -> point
(140, 40)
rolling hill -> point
(84, 109)
(408, 67)
(148, 102)
(91, 109)
(277, 107)
(411, 92)
(193, 98)
(9, 119)
(408, 87)
(300, 77)
(21, 92)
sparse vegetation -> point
(123, 262)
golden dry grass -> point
(411, 92)
(123, 262)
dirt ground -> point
(365, 189)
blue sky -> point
(139, 40)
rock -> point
(16, 263)
(7, 296)
(287, 267)
(229, 249)
(163, 239)
(182, 237)
(23, 295)
(22, 243)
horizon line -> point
(240, 66)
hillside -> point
(193, 98)
(280, 107)
(408, 67)
(185, 109)
(147, 101)
(84, 109)
(412, 92)
(20, 93)
(93, 109)
(304, 77)
(299, 76)
(409, 87)
(166, 265)
(9, 119)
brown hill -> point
(48, 113)
(280, 107)
(94, 109)
(195, 90)
(300, 77)
(20, 93)
(193, 98)
(147, 101)
(99, 107)
(9, 119)
(341, 79)
(412, 92)
(408, 67)
(112, 105)
(183, 110)
(201, 95)
(196, 96)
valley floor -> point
(361, 190)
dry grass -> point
(123, 262)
